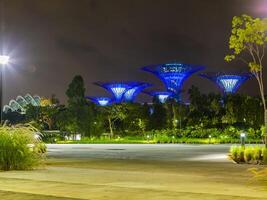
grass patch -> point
(20, 149)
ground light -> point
(148, 137)
(242, 138)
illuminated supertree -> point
(117, 89)
(131, 93)
(101, 101)
(228, 83)
(173, 75)
(162, 96)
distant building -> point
(20, 103)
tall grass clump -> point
(20, 148)
(249, 154)
(237, 153)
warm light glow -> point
(4, 60)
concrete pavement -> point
(167, 152)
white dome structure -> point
(20, 104)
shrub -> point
(264, 155)
(40, 148)
(231, 132)
(248, 154)
(19, 148)
(237, 153)
(162, 138)
(257, 154)
(234, 153)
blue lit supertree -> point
(162, 96)
(228, 83)
(101, 101)
(173, 74)
(131, 93)
(117, 89)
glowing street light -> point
(4, 60)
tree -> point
(136, 117)
(198, 108)
(158, 118)
(78, 111)
(248, 41)
(114, 113)
(45, 114)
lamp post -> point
(3, 61)
(242, 138)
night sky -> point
(50, 41)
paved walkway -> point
(135, 172)
(167, 152)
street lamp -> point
(242, 138)
(3, 61)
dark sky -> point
(50, 41)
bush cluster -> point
(20, 148)
(195, 134)
(249, 154)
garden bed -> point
(248, 154)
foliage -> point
(115, 114)
(19, 148)
(237, 153)
(248, 41)
(248, 154)
(78, 115)
(45, 115)
(207, 115)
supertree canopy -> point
(173, 74)
(228, 83)
(131, 93)
(162, 96)
(101, 101)
(117, 89)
